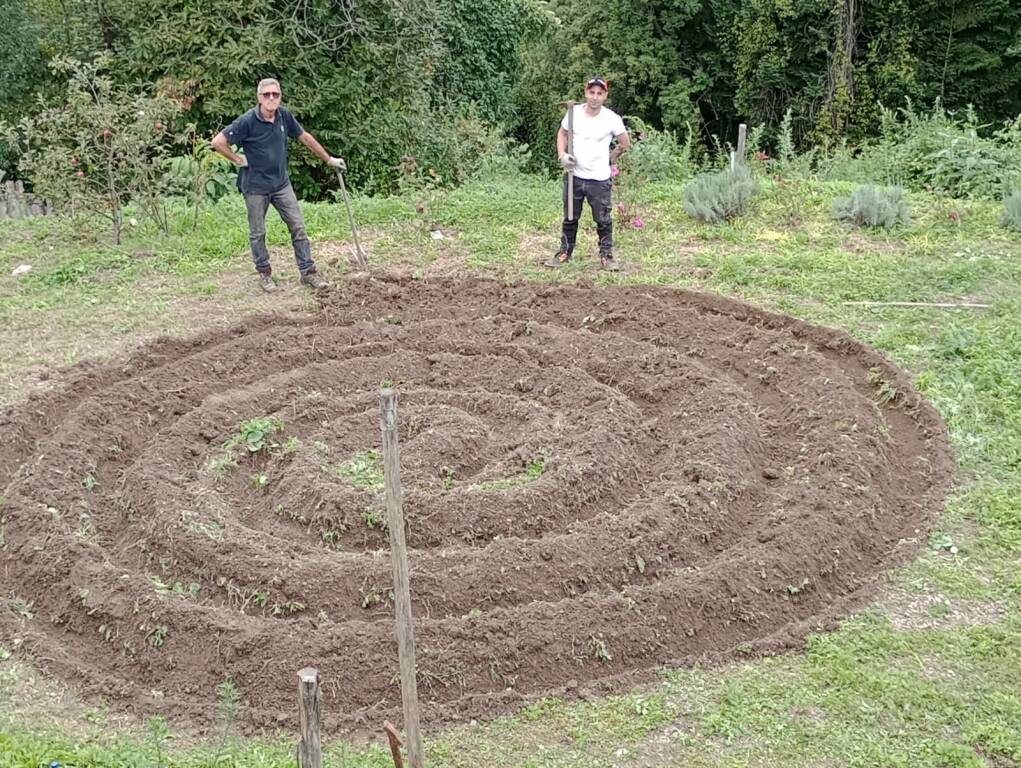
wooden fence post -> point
(310, 749)
(402, 586)
(742, 133)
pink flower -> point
(762, 157)
(622, 208)
(614, 171)
(642, 136)
(955, 216)
(637, 223)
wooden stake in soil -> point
(402, 587)
(310, 750)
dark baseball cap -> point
(597, 81)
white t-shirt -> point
(592, 137)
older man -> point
(262, 132)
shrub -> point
(1012, 211)
(721, 196)
(103, 147)
(872, 206)
(945, 151)
(656, 155)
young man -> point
(595, 127)
(262, 132)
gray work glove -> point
(568, 160)
(338, 163)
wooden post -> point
(742, 133)
(310, 750)
(402, 587)
(570, 151)
(20, 209)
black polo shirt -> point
(265, 146)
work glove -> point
(242, 161)
(338, 163)
(568, 161)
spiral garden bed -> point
(597, 482)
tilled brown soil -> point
(597, 482)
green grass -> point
(926, 679)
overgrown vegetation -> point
(380, 81)
(1012, 211)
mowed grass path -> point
(927, 676)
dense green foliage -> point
(681, 63)
(434, 84)
(362, 77)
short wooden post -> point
(310, 749)
(402, 586)
(742, 138)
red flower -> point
(955, 217)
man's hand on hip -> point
(242, 162)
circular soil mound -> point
(596, 482)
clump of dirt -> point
(597, 482)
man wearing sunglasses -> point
(262, 132)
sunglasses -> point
(271, 94)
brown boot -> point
(266, 282)
(314, 281)
(558, 259)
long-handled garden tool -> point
(570, 151)
(360, 259)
